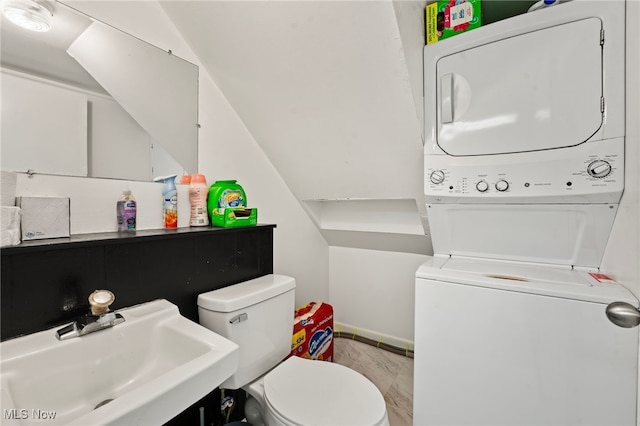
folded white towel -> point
(8, 181)
(9, 226)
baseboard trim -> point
(384, 341)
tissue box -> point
(446, 18)
(231, 217)
(313, 332)
(44, 217)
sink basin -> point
(144, 371)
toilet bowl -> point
(305, 392)
(258, 316)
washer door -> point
(535, 91)
(306, 392)
(485, 356)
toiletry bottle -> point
(198, 197)
(224, 194)
(169, 200)
(184, 180)
(545, 3)
(126, 210)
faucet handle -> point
(100, 300)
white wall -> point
(373, 291)
(299, 250)
(322, 86)
(410, 16)
(226, 151)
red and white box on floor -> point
(313, 332)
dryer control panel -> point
(589, 173)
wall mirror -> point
(86, 99)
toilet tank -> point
(257, 315)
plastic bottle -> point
(225, 194)
(126, 209)
(169, 200)
(545, 3)
(198, 198)
(184, 180)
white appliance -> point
(524, 167)
(257, 315)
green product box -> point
(446, 18)
(231, 217)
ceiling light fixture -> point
(28, 14)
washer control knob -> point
(437, 177)
(502, 185)
(482, 186)
(599, 169)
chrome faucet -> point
(99, 318)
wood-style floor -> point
(391, 373)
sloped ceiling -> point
(322, 86)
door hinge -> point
(602, 104)
(602, 37)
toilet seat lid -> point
(309, 393)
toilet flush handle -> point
(623, 314)
(238, 318)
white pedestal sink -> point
(144, 371)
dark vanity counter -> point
(120, 237)
(45, 283)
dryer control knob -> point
(502, 185)
(437, 177)
(599, 169)
(482, 186)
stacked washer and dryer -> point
(524, 168)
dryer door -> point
(539, 90)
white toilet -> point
(258, 316)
